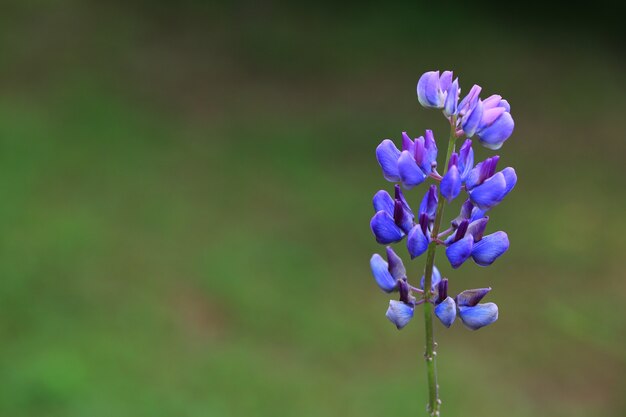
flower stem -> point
(434, 403)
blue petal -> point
(387, 155)
(430, 152)
(490, 192)
(477, 228)
(472, 120)
(435, 280)
(400, 196)
(410, 173)
(429, 203)
(469, 298)
(451, 184)
(380, 270)
(445, 81)
(470, 100)
(492, 101)
(446, 312)
(383, 202)
(452, 99)
(407, 143)
(489, 117)
(478, 316)
(489, 248)
(385, 229)
(399, 313)
(396, 267)
(459, 251)
(473, 177)
(428, 90)
(493, 136)
(402, 217)
(510, 177)
(477, 213)
(466, 159)
(417, 242)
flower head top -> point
(489, 119)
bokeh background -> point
(186, 190)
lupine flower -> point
(432, 89)
(466, 304)
(485, 187)
(469, 241)
(401, 312)
(496, 125)
(393, 218)
(388, 273)
(411, 166)
(475, 315)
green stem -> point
(434, 403)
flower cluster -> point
(482, 184)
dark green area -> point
(186, 192)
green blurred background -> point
(186, 192)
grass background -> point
(186, 191)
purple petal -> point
(466, 159)
(491, 102)
(430, 148)
(410, 174)
(446, 312)
(380, 270)
(469, 298)
(472, 119)
(477, 228)
(490, 116)
(478, 316)
(490, 192)
(452, 99)
(402, 218)
(445, 81)
(429, 203)
(500, 130)
(417, 242)
(387, 155)
(399, 313)
(459, 251)
(451, 184)
(383, 202)
(510, 177)
(428, 90)
(396, 267)
(489, 248)
(385, 229)
(470, 100)
(407, 143)
(400, 196)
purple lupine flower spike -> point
(490, 120)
